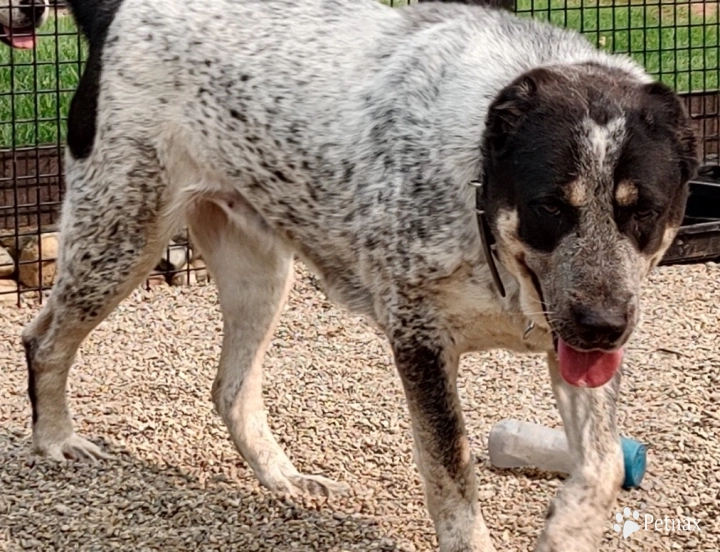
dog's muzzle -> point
(21, 23)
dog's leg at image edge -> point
(578, 515)
(442, 452)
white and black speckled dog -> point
(348, 133)
(19, 20)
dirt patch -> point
(142, 387)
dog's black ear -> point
(511, 106)
(662, 109)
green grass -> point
(675, 42)
(36, 86)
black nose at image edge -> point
(32, 9)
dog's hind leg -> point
(253, 272)
(577, 516)
(111, 236)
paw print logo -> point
(629, 525)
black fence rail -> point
(676, 41)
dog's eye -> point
(548, 208)
(644, 214)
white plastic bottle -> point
(516, 444)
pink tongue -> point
(587, 369)
(26, 42)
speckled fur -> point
(346, 133)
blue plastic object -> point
(635, 456)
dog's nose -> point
(32, 9)
(600, 327)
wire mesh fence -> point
(676, 41)
(41, 60)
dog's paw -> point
(73, 448)
(314, 485)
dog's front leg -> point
(581, 510)
(442, 453)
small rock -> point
(9, 241)
(186, 277)
(486, 495)
(8, 291)
(29, 273)
(195, 272)
(62, 509)
(201, 272)
(7, 263)
(155, 280)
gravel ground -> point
(141, 387)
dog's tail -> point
(94, 17)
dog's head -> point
(586, 180)
(19, 19)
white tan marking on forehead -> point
(626, 193)
(603, 142)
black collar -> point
(486, 237)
